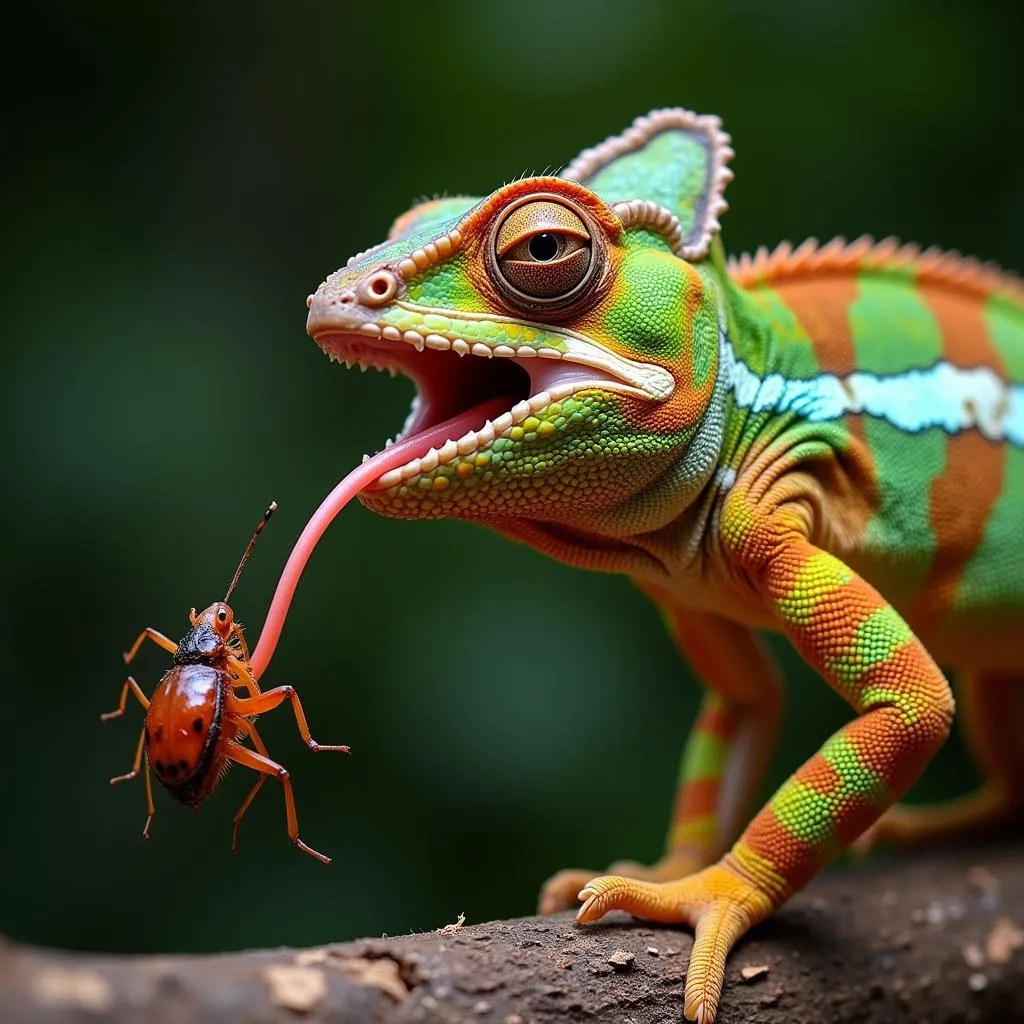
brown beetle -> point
(196, 721)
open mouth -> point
(467, 394)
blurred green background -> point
(175, 180)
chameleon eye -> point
(543, 253)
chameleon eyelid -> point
(535, 215)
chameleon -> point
(824, 441)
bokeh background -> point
(175, 179)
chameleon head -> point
(563, 335)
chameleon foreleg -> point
(858, 642)
(990, 710)
(724, 759)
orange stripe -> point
(796, 861)
(965, 336)
(857, 815)
(822, 307)
(961, 501)
(696, 799)
(819, 775)
(719, 721)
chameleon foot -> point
(718, 903)
(560, 891)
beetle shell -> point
(182, 727)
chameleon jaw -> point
(463, 404)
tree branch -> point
(935, 938)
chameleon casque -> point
(825, 441)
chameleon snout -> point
(346, 306)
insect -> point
(197, 718)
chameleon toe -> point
(720, 905)
(559, 891)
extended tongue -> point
(361, 477)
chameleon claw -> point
(594, 907)
(718, 903)
(651, 900)
(561, 890)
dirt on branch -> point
(933, 938)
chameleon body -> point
(827, 442)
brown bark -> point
(938, 937)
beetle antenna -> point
(249, 547)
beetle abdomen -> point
(182, 727)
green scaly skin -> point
(828, 443)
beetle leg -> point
(129, 684)
(247, 707)
(260, 763)
(157, 638)
(261, 747)
(150, 809)
(135, 764)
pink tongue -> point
(361, 477)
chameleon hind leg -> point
(729, 746)
(990, 708)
